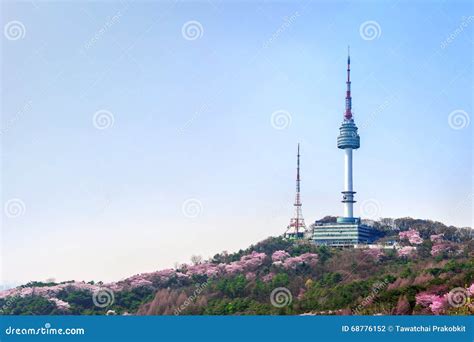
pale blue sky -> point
(192, 120)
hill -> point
(429, 270)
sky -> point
(137, 134)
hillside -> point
(431, 271)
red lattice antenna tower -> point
(297, 226)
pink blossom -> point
(162, 276)
(253, 260)
(250, 276)
(116, 287)
(436, 237)
(267, 278)
(166, 273)
(406, 251)
(208, 269)
(280, 256)
(181, 276)
(306, 258)
(416, 240)
(247, 263)
(212, 272)
(412, 235)
(439, 247)
(60, 304)
(143, 279)
(140, 282)
(233, 268)
(48, 292)
(471, 289)
(375, 253)
(438, 305)
(8, 293)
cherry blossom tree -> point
(406, 251)
(280, 255)
(306, 258)
(439, 248)
(412, 235)
(436, 237)
(425, 298)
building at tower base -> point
(342, 234)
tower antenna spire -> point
(298, 170)
(348, 112)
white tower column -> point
(348, 205)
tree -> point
(196, 259)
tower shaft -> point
(348, 198)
